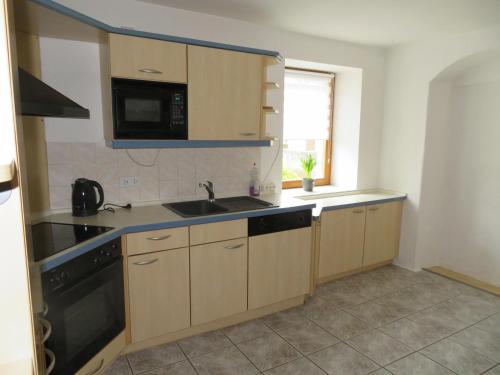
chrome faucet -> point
(209, 186)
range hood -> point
(39, 99)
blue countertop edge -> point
(128, 144)
(50, 4)
(84, 247)
(320, 209)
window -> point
(307, 125)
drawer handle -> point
(48, 329)
(360, 211)
(248, 134)
(146, 262)
(97, 369)
(159, 238)
(150, 71)
(373, 209)
(52, 358)
(45, 310)
(232, 247)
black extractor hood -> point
(39, 99)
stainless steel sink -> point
(220, 206)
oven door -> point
(85, 317)
(149, 110)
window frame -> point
(327, 180)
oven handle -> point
(97, 369)
(146, 262)
(150, 71)
(52, 364)
(48, 329)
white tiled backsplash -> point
(175, 174)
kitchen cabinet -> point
(156, 240)
(278, 266)
(159, 293)
(147, 59)
(383, 224)
(224, 94)
(341, 241)
(218, 280)
(220, 231)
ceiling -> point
(374, 22)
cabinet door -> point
(147, 59)
(159, 293)
(383, 223)
(218, 280)
(278, 266)
(224, 91)
(341, 241)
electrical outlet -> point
(129, 181)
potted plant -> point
(308, 164)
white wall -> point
(410, 69)
(460, 193)
(201, 26)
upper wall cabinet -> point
(225, 94)
(147, 59)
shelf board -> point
(126, 143)
(270, 109)
(272, 85)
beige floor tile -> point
(484, 342)
(374, 314)
(268, 351)
(246, 331)
(158, 356)
(492, 324)
(317, 307)
(340, 359)
(458, 358)
(301, 366)
(439, 320)
(203, 344)
(469, 309)
(226, 361)
(284, 319)
(379, 347)
(417, 364)
(415, 335)
(307, 337)
(342, 324)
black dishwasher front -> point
(279, 222)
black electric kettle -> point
(84, 197)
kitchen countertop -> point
(154, 217)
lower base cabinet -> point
(218, 280)
(159, 293)
(278, 266)
(382, 231)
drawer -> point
(220, 231)
(157, 240)
(104, 358)
(147, 59)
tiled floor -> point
(387, 321)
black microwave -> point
(149, 110)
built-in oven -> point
(85, 301)
(149, 110)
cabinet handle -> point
(373, 209)
(146, 262)
(232, 247)
(45, 310)
(359, 211)
(159, 238)
(248, 134)
(48, 329)
(97, 369)
(52, 358)
(150, 71)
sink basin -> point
(223, 205)
(195, 208)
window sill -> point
(324, 189)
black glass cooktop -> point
(51, 238)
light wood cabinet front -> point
(147, 59)
(342, 240)
(278, 266)
(157, 240)
(159, 293)
(224, 94)
(218, 280)
(383, 224)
